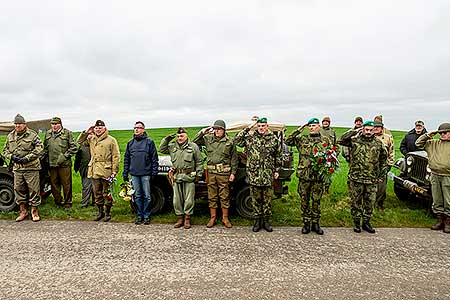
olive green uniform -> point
(388, 142)
(26, 176)
(368, 165)
(311, 184)
(263, 160)
(59, 148)
(331, 134)
(187, 163)
(221, 162)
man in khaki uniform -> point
(24, 148)
(59, 147)
(221, 164)
(104, 165)
(327, 131)
(388, 143)
(438, 151)
(187, 168)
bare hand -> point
(171, 136)
(207, 130)
(276, 175)
(231, 179)
(252, 125)
(432, 133)
(90, 130)
(300, 129)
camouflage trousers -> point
(261, 200)
(101, 190)
(26, 187)
(363, 196)
(218, 190)
(310, 194)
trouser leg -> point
(138, 196)
(437, 192)
(55, 185)
(86, 192)
(370, 196)
(178, 201)
(356, 195)
(65, 175)
(304, 190)
(224, 190)
(256, 194)
(213, 190)
(189, 198)
(316, 194)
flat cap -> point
(99, 123)
(18, 119)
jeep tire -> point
(7, 197)
(244, 203)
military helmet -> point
(219, 124)
(444, 127)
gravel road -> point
(88, 260)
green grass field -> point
(335, 206)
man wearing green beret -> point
(263, 163)
(59, 147)
(368, 167)
(438, 151)
(311, 182)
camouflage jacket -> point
(186, 159)
(26, 145)
(263, 156)
(59, 147)
(368, 157)
(218, 151)
(305, 145)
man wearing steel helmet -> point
(221, 165)
(367, 167)
(438, 151)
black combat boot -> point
(108, 213)
(100, 214)
(306, 228)
(316, 228)
(367, 227)
(266, 225)
(257, 226)
(357, 225)
(440, 222)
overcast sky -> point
(171, 63)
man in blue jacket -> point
(141, 162)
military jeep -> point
(162, 192)
(413, 182)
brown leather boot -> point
(440, 222)
(187, 221)
(212, 221)
(35, 214)
(447, 225)
(226, 222)
(23, 213)
(100, 214)
(108, 213)
(180, 222)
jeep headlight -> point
(409, 160)
(428, 169)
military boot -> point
(367, 227)
(266, 225)
(357, 225)
(35, 214)
(213, 218)
(447, 225)
(23, 212)
(440, 222)
(226, 222)
(316, 228)
(108, 213)
(180, 222)
(187, 221)
(306, 228)
(100, 214)
(257, 226)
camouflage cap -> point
(326, 119)
(55, 120)
(444, 127)
(368, 123)
(18, 119)
(181, 130)
(377, 123)
(219, 124)
(313, 121)
(99, 123)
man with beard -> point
(141, 162)
(408, 143)
(346, 150)
(367, 168)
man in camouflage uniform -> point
(263, 162)
(438, 151)
(59, 147)
(311, 184)
(327, 131)
(187, 168)
(346, 150)
(103, 167)
(368, 166)
(221, 164)
(24, 148)
(388, 142)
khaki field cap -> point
(444, 127)
(19, 119)
(55, 120)
(419, 122)
(219, 124)
(378, 118)
(327, 119)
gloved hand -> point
(171, 136)
(125, 178)
(23, 160)
(15, 159)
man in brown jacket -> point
(103, 166)
(438, 151)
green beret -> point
(262, 120)
(368, 123)
(313, 121)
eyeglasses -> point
(138, 127)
